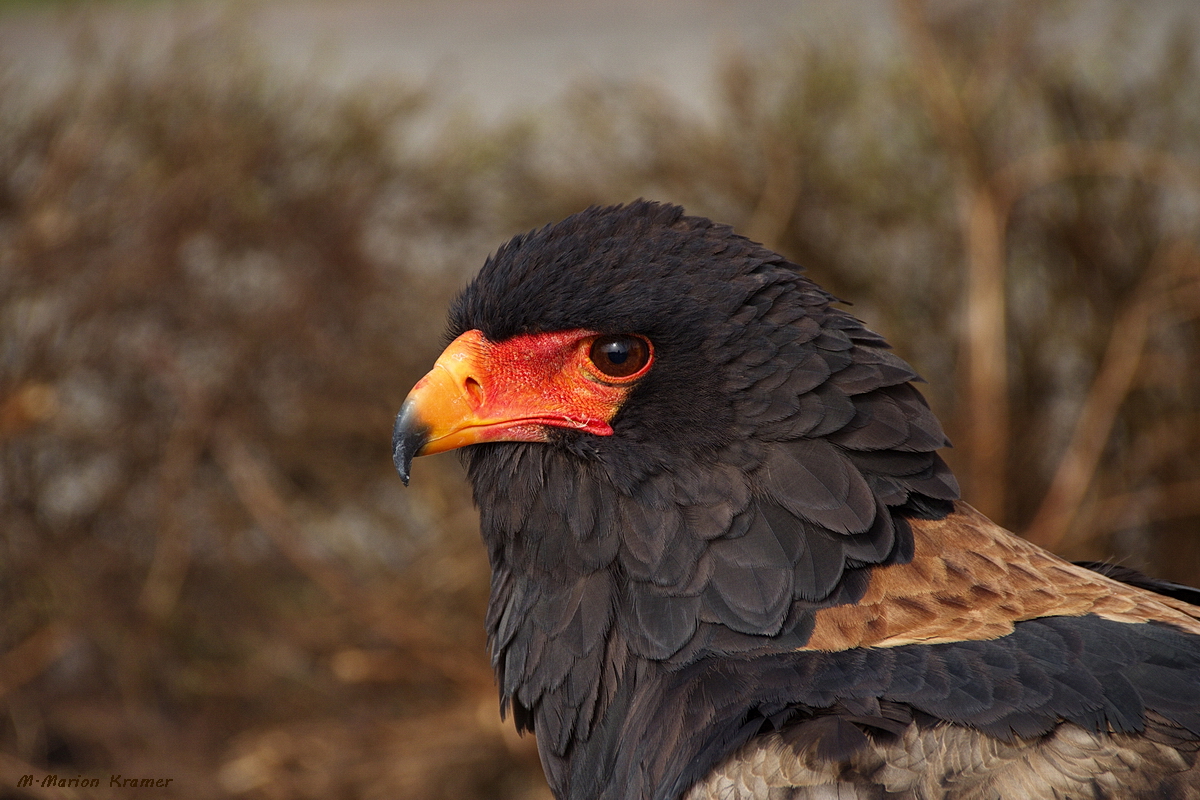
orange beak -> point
(510, 391)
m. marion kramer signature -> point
(114, 781)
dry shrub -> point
(217, 288)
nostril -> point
(475, 391)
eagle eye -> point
(620, 356)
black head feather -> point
(766, 463)
(645, 269)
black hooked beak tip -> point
(409, 435)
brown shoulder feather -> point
(970, 579)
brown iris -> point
(620, 356)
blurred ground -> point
(227, 241)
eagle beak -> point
(409, 435)
(513, 391)
(445, 409)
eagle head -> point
(680, 448)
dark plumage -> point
(762, 582)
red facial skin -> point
(516, 390)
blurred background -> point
(228, 235)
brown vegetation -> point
(215, 290)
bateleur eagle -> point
(728, 562)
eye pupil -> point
(620, 356)
(616, 352)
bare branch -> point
(1159, 503)
(985, 336)
(1102, 158)
(33, 656)
(254, 485)
(1126, 344)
